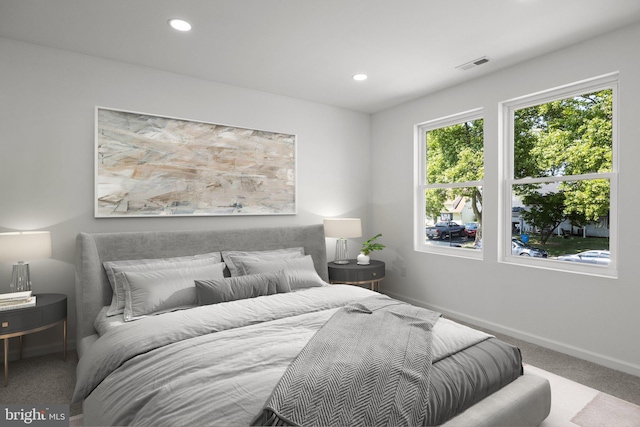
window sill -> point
(609, 272)
(450, 251)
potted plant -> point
(368, 247)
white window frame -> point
(421, 185)
(507, 109)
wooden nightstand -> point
(49, 311)
(355, 274)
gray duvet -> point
(218, 364)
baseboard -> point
(574, 351)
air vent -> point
(473, 63)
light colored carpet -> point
(576, 405)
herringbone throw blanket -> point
(369, 365)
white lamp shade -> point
(25, 245)
(342, 227)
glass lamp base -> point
(20, 278)
(342, 254)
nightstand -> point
(49, 311)
(355, 274)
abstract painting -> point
(159, 166)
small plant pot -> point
(362, 259)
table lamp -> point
(342, 228)
(23, 245)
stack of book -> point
(14, 300)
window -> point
(449, 174)
(561, 177)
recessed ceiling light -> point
(179, 24)
(360, 77)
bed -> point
(232, 327)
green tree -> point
(572, 136)
(543, 211)
(435, 199)
(455, 154)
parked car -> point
(443, 229)
(589, 257)
(470, 229)
(518, 247)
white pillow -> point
(159, 291)
(235, 259)
(114, 267)
(300, 272)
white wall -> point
(47, 100)
(590, 317)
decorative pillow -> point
(159, 291)
(235, 259)
(299, 272)
(113, 267)
(242, 287)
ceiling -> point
(310, 49)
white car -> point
(589, 257)
(518, 247)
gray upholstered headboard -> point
(92, 286)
